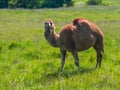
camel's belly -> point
(78, 41)
(79, 45)
(85, 43)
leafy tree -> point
(68, 2)
(12, 3)
(3, 3)
(94, 2)
(23, 3)
(28, 4)
(52, 3)
(34, 3)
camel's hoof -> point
(60, 69)
(78, 68)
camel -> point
(77, 36)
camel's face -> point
(49, 27)
(49, 24)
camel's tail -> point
(102, 48)
(101, 43)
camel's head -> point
(49, 25)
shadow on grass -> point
(76, 72)
(48, 77)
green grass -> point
(28, 62)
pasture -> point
(28, 62)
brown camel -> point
(79, 35)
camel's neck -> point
(52, 38)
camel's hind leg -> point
(99, 47)
(99, 58)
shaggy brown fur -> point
(79, 35)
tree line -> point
(31, 4)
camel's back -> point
(83, 25)
(86, 33)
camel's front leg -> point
(63, 55)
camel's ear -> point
(53, 26)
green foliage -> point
(94, 2)
(28, 4)
(52, 3)
(69, 2)
(34, 3)
(3, 3)
(56, 3)
(24, 4)
(12, 3)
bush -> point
(28, 4)
(12, 4)
(94, 2)
(56, 3)
(68, 3)
(3, 3)
(52, 3)
(31, 4)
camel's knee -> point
(77, 64)
(99, 56)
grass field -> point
(28, 62)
